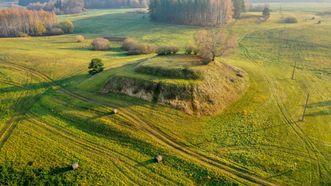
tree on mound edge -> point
(212, 44)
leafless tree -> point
(212, 44)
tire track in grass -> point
(310, 142)
(228, 169)
(20, 106)
(278, 101)
(11, 124)
(91, 146)
(78, 146)
(309, 145)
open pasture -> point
(52, 112)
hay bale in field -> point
(75, 166)
(158, 158)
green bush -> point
(96, 66)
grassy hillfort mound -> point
(182, 82)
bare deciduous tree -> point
(212, 44)
(17, 21)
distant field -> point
(300, 6)
(52, 112)
(121, 23)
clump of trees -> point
(116, 3)
(101, 44)
(266, 13)
(57, 6)
(212, 44)
(76, 6)
(18, 21)
(96, 66)
(26, 2)
(135, 48)
(67, 26)
(238, 7)
(192, 12)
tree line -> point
(78, 5)
(57, 6)
(20, 22)
(192, 12)
(116, 3)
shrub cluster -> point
(159, 71)
(290, 20)
(167, 50)
(191, 50)
(135, 48)
(100, 44)
(80, 39)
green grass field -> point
(52, 112)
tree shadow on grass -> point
(145, 163)
(320, 104)
(60, 170)
(324, 105)
(320, 113)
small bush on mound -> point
(135, 48)
(167, 50)
(96, 66)
(100, 44)
(290, 20)
(80, 39)
(67, 26)
(191, 50)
